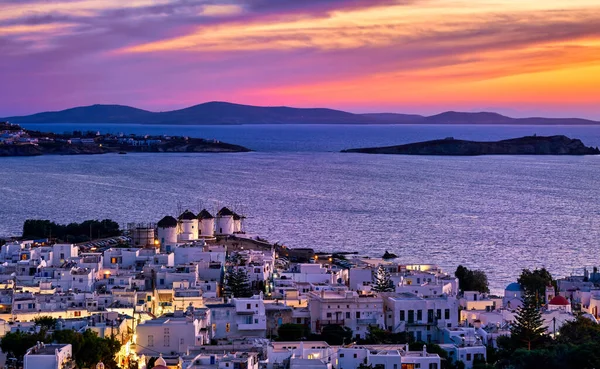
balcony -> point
(252, 326)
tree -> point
(528, 327)
(579, 331)
(18, 343)
(535, 283)
(291, 332)
(383, 282)
(472, 280)
(378, 336)
(45, 323)
(237, 284)
(337, 335)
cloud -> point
(284, 51)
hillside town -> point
(198, 291)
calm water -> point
(499, 213)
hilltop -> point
(224, 113)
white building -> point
(345, 308)
(301, 354)
(386, 357)
(241, 317)
(49, 356)
(421, 316)
(169, 334)
(62, 252)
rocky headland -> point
(530, 145)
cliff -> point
(530, 145)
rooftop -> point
(46, 349)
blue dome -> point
(515, 287)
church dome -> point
(160, 363)
(513, 287)
(559, 300)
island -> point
(529, 145)
(17, 141)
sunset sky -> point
(518, 57)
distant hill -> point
(224, 113)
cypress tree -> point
(528, 327)
(237, 284)
(383, 282)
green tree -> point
(17, 343)
(89, 349)
(237, 284)
(528, 327)
(535, 283)
(292, 332)
(335, 334)
(472, 280)
(383, 282)
(45, 323)
(579, 331)
(378, 336)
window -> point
(395, 366)
(227, 327)
(113, 260)
(150, 341)
(77, 313)
(417, 365)
(419, 315)
(433, 366)
(166, 342)
(341, 355)
(347, 315)
(358, 315)
(355, 356)
(248, 306)
(166, 330)
(468, 357)
(402, 317)
(181, 341)
(411, 316)
(438, 314)
(208, 287)
(329, 315)
(430, 316)
(447, 314)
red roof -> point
(559, 300)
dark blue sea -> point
(496, 213)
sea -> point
(499, 214)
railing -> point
(252, 326)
